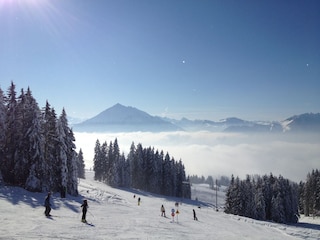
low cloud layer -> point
(216, 154)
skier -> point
(163, 211)
(47, 205)
(194, 215)
(84, 210)
(139, 199)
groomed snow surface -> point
(114, 214)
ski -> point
(87, 223)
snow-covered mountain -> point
(120, 118)
(114, 214)
(303, 122)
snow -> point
(115, 214)
(286, 125)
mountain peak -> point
(120, 118)
(124, 118)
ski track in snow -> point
(115, 214)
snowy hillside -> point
(115, 214)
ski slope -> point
(115, 214)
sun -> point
(12, 5)
(48, 15)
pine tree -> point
(98, 162)
(23, 122)
(33, 140)
(311, 197)
(11, 136)
(260, 201)
(51, 164)
(301, 190)
(80, 165)
(2, 128)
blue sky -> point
(257, 60)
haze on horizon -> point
(221, 154)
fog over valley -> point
(211, 153)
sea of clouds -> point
(221, 154)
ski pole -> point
(91, 214)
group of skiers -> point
(85, 207)
(47, 205)
(163, 213)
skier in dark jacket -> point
(194, 215)
(47, 205)
(84, 210)
(163, 211)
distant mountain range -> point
(120, 118)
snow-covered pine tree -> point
(51, 164)
(11, 136)
(98, 162)
(23, 122)
(174, 183)
(121, 171)
(127, 181)
(80, 165)
(137, 167)
(104, 151)
(267, 182)
(118, 164)
(112, 163)
(181, 178)
(249, 195)
(277, 206)
(317, 193)
(301, 188)
(230, 196)
(2, 126)
(260, 201)
(166, 176)
(312, 193)
(33, 142)
(155, 171)
(149, 162)
(308, 196)
(62, 154)
(67, 140)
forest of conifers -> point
(274, 198)
(144, 168)
(37, 150)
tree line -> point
(309, 194)
(263, 198)
(144, 168)
(222, 181)
(37, 150)
(274, 198)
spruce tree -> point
(33, 140)
(97, 162)
(2, 127)
(80, 165)
(11, 136)
(51, 163)
(67, 146)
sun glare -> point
(49, 15)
